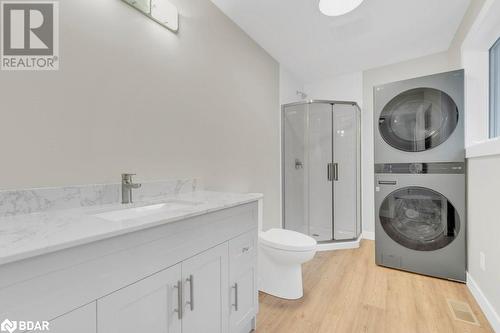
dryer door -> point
(418, 119)
(419, 218)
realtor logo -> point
(30, 35)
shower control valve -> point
(298, 164)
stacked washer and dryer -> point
(420, 220)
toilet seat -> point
(287, 240)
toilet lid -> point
(287, 240)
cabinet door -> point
(150, 305)
(205, 279)
(243, 282)
(81, 320)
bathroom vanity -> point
(186, 263)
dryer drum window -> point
(418, 119)
(419, 218)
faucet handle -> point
(127, 176)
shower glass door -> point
(319, 147)
(321, 170)
(346, 150)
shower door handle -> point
(332, 172)
(329, 172)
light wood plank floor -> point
(344, 291)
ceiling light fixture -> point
(338, 7)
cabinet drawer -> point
(243, 251)
(243, 281)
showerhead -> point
(302, 94)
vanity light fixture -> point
(161, 11)
(338, 7)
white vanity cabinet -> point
(194, 275)
(189, 297)
(150, 305)
(81, 320)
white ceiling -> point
(377, 33)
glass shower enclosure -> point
(321, 169)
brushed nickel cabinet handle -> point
(179, 309)
(190, 279)
(235, 287)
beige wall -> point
(289, 85)
(484, 227)
(132, 96)
(345, 87)
(455, 50)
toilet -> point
(281, 255)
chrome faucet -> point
(127, 186)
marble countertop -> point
(29, 235)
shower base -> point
(339, 245)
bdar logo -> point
(8, 326)
(24, 325)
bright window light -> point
(495, 90)
(338, 7)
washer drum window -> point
(418, 119)
(419, 218)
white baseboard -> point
(369, 235)
(339, 245)
(483, 302)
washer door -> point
(418, 119)
(419, 218)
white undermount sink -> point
(137, 212)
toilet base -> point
(280, 280)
